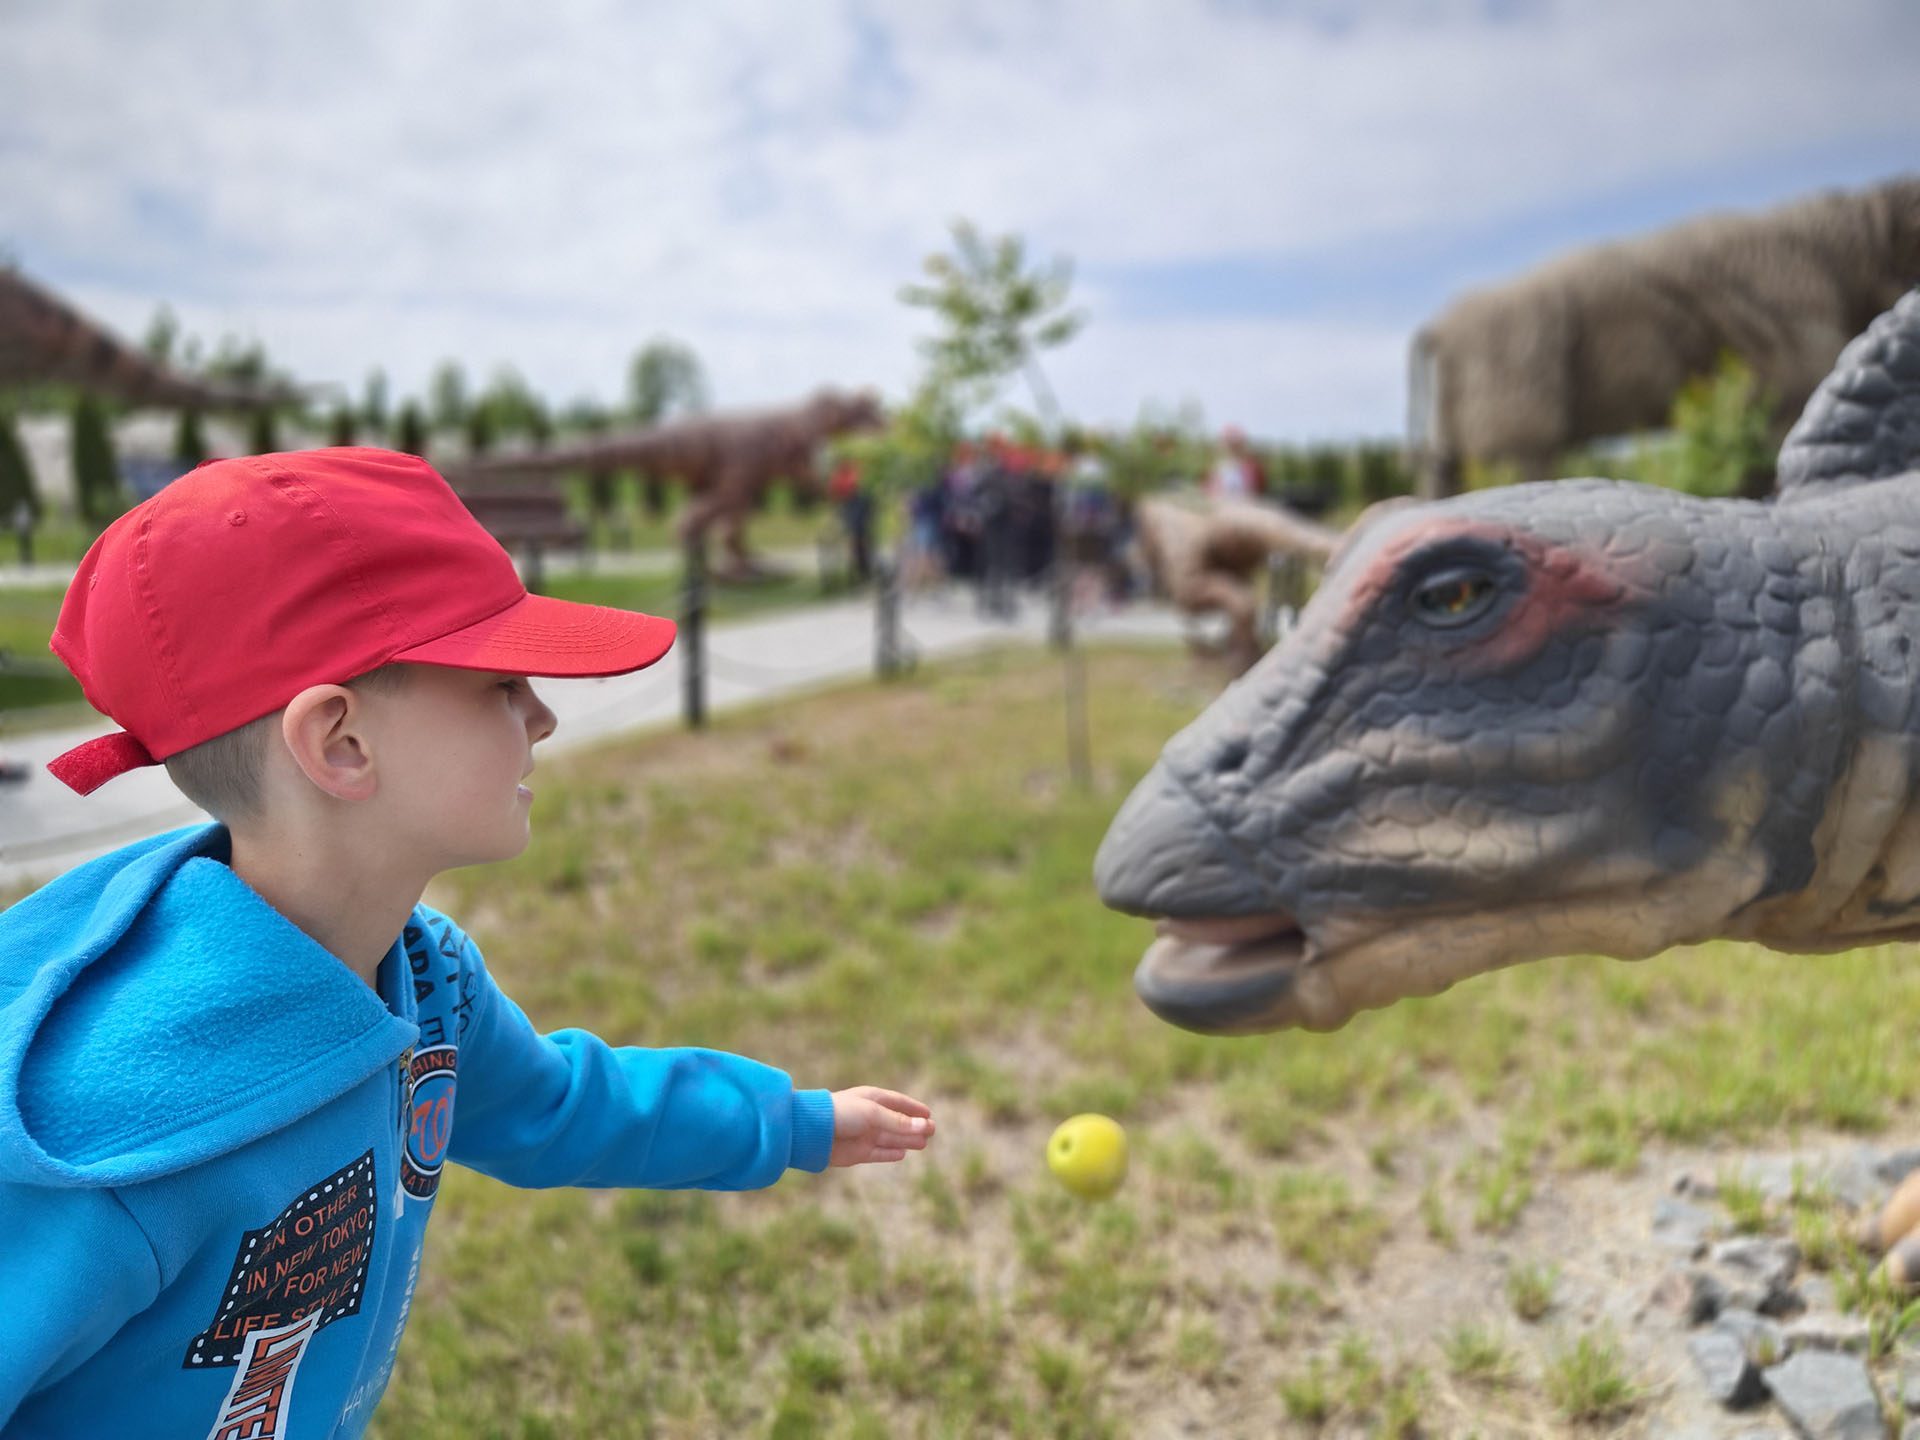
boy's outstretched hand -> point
(875, 1125)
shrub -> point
(1720, 444)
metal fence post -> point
(1060, 633)
(693, 637)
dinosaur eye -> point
(1453, 597)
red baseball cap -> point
(246, 581)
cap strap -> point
(85, 768)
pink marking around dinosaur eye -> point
(1563, 583)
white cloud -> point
(364, 184)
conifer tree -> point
(96, 474)
(189, 439)
(16, 475)
(410, 435)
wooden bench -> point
(527, 520)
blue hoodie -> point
(219, 1148)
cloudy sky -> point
(1262, 200)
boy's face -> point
(452, 748)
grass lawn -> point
(40, 693)
(890, 884)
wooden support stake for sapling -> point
(693, 639)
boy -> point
(234, 1058)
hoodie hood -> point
(155, 1013)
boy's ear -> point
(323, 727)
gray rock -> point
(1781, 1303)
(1695, 1185)
(1764, 1342)
(1851, 1177)
(1894, 1168)
(1910, 1430)
(1772, 1175)
(1682, 1228)
(1765, 1259)
(1748, 1297)
(1730, 1377)
(1826, 1396)
(1692, 1296)
(1828, 1331)
(1817, 1291)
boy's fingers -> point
(894, 1100)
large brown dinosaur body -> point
(44, 341)
(1599, 342)
(1205, 557)
(1577, 717)
(726, 461)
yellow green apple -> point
(1088, 1155)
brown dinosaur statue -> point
(1600, 342)
(43, 340)
(1204, 556)
(1585, 716)
(726, 461)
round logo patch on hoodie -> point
(430, 1077)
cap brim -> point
(538, 635)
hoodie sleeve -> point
(76, 1269)
(570, 1109)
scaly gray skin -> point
(1581, 716)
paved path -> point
(45, 828)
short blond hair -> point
(223, 775)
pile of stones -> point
(1766, 1338)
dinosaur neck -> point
(1865, 842)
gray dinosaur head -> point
(1577, 716)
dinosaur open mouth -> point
(1222, 976)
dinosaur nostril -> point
(1233, 754)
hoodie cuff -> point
(812, 1129)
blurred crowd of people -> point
(995, 518)
(1000, 510)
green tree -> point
(995, 317)
(373, 402)
(263, 431)
(479, 430)
(16, 475)
(665, 378)
(96, 475)
(511, 408)
(1160, 449)
(1380, 472)
(447, 396)
(239, 362)
(189, 439)
(343, 426)
(410, 431)
(162, 337)
(911, 450)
